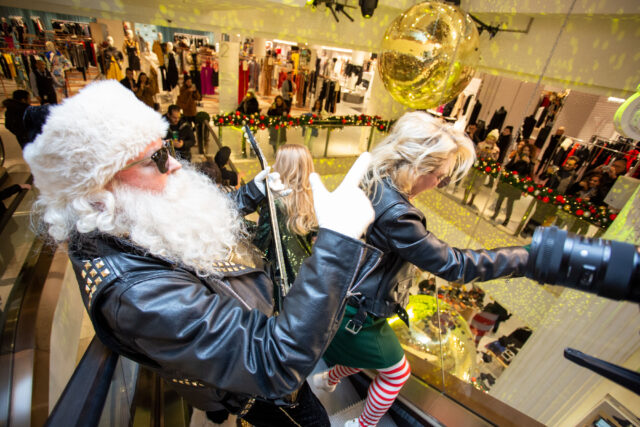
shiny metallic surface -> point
(429, 54)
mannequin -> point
(150, 66)
(58, 63)
(172, 67)
(132, 50)
(110, 59)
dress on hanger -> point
(132, 50)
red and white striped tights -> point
(382, 392)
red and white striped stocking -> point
(383, 392)
(339, 372)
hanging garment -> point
(474, 114)
(172, 72)
(542, 136)
(527, 127)
(254, 74)
(205, 79)
(243, 80)
(157, 49)
(497, 120)
(132, 50)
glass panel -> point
(117, 407)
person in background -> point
(287, 91)
(228, 177)
(144, 90)
(180, 133)
(277, 136)
(504, 141)
(309, 135)
(420, 153)
(610, 173)
(589, 189)
(249, 104)
(43, 84)
(479, 134)
(470, 131)
(296, 218)
(522, 164)
(14, 115)
(129, 81)
(188, 99)
(210, 168)
(487, 150)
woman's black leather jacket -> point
(399, 231)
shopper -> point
(14, 115)
(419, 154)
(129, 80)
(162, 265)
(145, 90)
(249, 104)
(522, 164)
(228, 177)
(43, 84)
(278, 136)
(180, 133)
(486, 150)
(188, 99)
(504, 142)
(296, 218)
(589, 189)
(287, 91)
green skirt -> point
(374, 347)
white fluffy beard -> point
(191, 222)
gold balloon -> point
(429, 54)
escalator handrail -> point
(82, 401)
(11, 209)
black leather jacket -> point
(214, 339)
(399, 230)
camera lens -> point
(604, 267)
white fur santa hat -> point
(88, 138)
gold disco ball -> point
(429, 55)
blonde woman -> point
(296, 217)
(419, 154)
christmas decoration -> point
(262, 122)
(600, 216)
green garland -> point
(601, 216)
(262, 121)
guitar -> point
(281, 279)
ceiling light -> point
(337, 49)
(285, 42)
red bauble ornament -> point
(344, 121)
(545, 199)
(261, 117)
(290, 123)
(549, 190)
(252, 121)
(514, 173)
(613, 216)
(579, 212)
(578, 199)
(237, 113)
(381, 127)
(277, 127)
(559, 198)
(314, 116)
(310, 121)
(220, 120)
(530, 189)
(487, 169)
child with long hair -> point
(296, 218)
(420, 153)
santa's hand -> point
(347, 210)
(275, 184)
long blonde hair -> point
(418, 144)
(294, 164)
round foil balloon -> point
(429, 54)
(443, 339)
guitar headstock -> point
(254, 144)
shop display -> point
(417, 62)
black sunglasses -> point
(160, 158)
